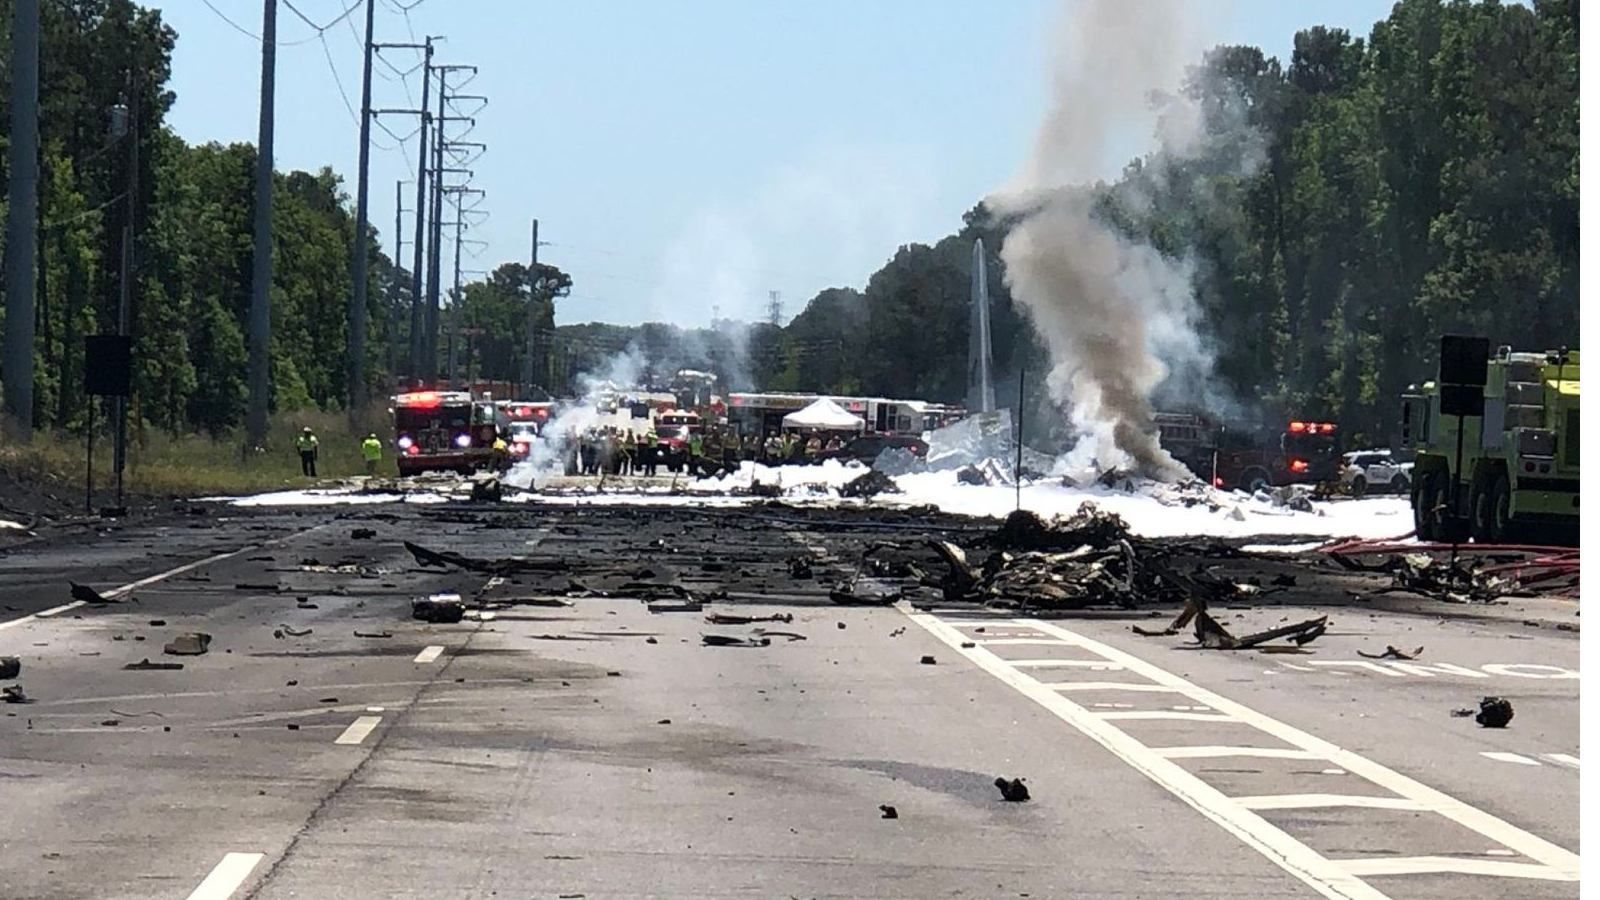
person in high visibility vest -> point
(695, 447)
(500, 454)
(371, 452)
(306, 443)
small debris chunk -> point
(889, 812)
(669, 607)
(373, 634)
(928, 660)
(13, 693)
(663, 721)
(85, 594)
(145, 665)
(291, 631)
(10, 666)
(729, 619)
(190, 643)
(1494, 712)
(1391, 652)
(1012, 790)
(157, 623)
(292, 726)
(799, 567)
(726, 640)
(439, 609)
(650, 640)
(968, 645)
(362, 534)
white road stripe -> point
(358, 730)
(1209, 752)
(1563, 758)
(1019, 641)
(1490, 826)
(1503, 756)
(227, 876)
(1430, 865)
(1317, 801)
(144, 582)
(1327, 877)
(1169, 714)
(1109, 686)
(1097, 665)
(429, 654)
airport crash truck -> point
(1519, 460)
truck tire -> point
(1358, 486)
(1400, 484)
(1499, 510)
(1478, 508)
(1428, 499)
(1255, 480)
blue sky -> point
(686, 155)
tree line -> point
(1418, 180)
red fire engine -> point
(443, 431)
(1253, 458)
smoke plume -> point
(1112, 310)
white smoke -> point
(1115, 313)
(547, 454)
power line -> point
(316, 29)
(319, 29)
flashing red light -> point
(413, 450)
(1297, 427)
(1298, 465)
(422, 398)
(542, 413)
(1216, 482)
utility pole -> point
(125, 288)
(775, 307)
(22, 219)
(421, 211)
(530, 327)
(261, 268)
(399, 248)
(455, 293)
(357, 376)
(435, 248)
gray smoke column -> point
(1106, 306)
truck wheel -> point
(1400, 484)
(1426, 505)
(1255, 480)
(1358, 486)
(1478, 508)
(1499, 510)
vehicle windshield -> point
(417, 418)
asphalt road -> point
(599, 750)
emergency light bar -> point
(1312, 428)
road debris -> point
(1464, 580)
(289, 630)
(732, 619)
(1012, 790)
(670, 607)
(439, 609)
(506, 566)
(1213, 636)
(190, 643)
(145, 665)
(790, 635)
(799, 567)
(85, 594)
(869, 485)
(1494, 712)
(728, 640)
(928, 660)
(13, 693)
(10, 666)
(865, 592)
(888, 811)
(363, 534)
(1391, 652)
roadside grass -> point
(162, 465)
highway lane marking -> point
(1019, 641)
(226, 877)
(1110, 686)
(1320, 801)
(1564, 758)
(1504, 756)
(1170, 714)
(1451, 865)
(429, 654)
(1328, 877)
(1098, 665)
(358, 730)
(1213, 751)
(144, 582)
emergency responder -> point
(773, 450)
(588, 451)
(833, 444)
(371, 452)
(500, 454)
(643, 452)
(630, 453)
(306, 443)
(786, 448)
(711, 457)
(730, 451)
(813, 447)
(696, 445)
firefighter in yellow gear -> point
(500, 454)
(371, 453)
(306, 444)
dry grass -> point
(162, 465)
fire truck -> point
(673, 429)
(1253, 458)
(1518, 457)
(444, 431)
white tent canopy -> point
(824, 415)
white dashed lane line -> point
(358, 730)
(429, 654)
(1335, 878)
(226, 877)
